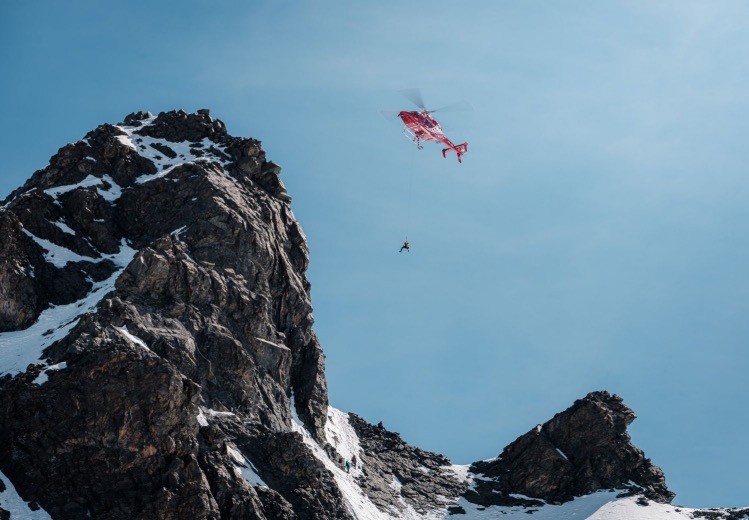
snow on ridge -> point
(346, 441)
(20, 348)
(356, 500)
(341, 435)
(578, 509)
(628, 508)
(16, 506)
(142, 144)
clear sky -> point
(595, 236)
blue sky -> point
(593, 238)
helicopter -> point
(421, 126)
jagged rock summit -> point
(580, 450)
(158, 361)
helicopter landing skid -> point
(413, 138)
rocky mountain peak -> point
(155, 275)
(580, 450)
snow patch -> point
(277, 345)
(142, 144)
(15, 505)
(244, 467)
(562, 454)
(20, 348)
(216, 413)
(64, 227)
(520, 496)
(459, 471)
(133, 339)
(42, 377)
(88, 182)
(57, 255)
(205, 413)
(111, 194)
(235, 455)
(249, 472)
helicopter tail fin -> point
(459, 149)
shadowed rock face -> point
(580, 450)
(157, 274)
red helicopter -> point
(421, 126)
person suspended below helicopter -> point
(407, 246)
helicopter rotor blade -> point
(460, 106)
(390, 114)
(414, 95)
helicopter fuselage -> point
(421, 126)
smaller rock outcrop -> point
(580, 450)
(398, 474)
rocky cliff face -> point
(157, 356)
(171, 251)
